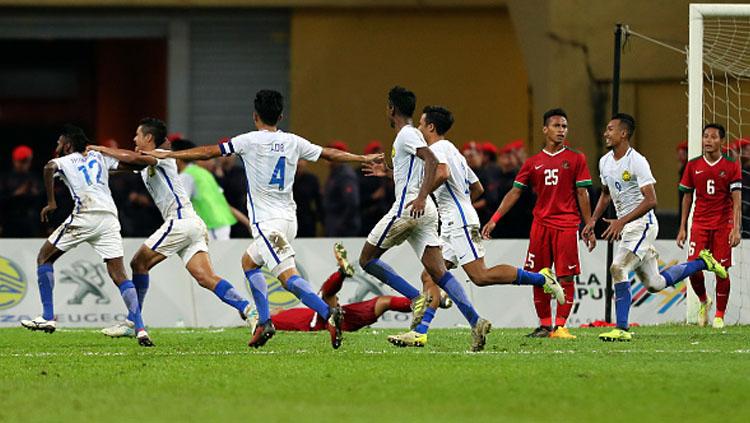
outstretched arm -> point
(601, 206)
(476, 190)
(735, 236)
(442, 174)
(203, 152)
(125, 156)
(336, 155)
(49, 184)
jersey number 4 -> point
(85, 172)
(277, 177)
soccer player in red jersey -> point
(356, 315)
(714, 180)
(560, 177)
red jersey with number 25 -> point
(554, 178)
(713, 184)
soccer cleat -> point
(340, 253)
(718, 323)
(616, 334)
(40, 323)
(712, 265)
(540, 332)
(551, 286)
(143, 339)
(479, 334)
(334, 326)
(261, 334)
(408, 339)
(250, 316)
(124, 329)
(703, 312)
(561, 332)
(445, 300)
(418, 307)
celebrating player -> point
(414, 219)
(93, 220)
(627, 180)
(270, 157)
(462, 243)
(717, 183)
(560, 177)
(183, 232)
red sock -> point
(722, 296)
(333, 284)
(542, 306)
(402, 304)
(699, 286)
(563, 310)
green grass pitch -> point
(668, 373)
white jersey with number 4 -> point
(270, 160)
(408, 169)
(164, 185)
(87, 178)
(453, 196)
(625, 178)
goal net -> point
(719, 91)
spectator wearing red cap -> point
(682, 158)
(341, 199)
(489, 175)
(518, 222)
(21, 196)
(518, 151)
(376, 194)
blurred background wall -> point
(498, 64)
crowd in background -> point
(346, 204)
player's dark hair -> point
(157, 128)
(75, 137)
(403, 101)
(268, 105)
(439, 116)
(718, 127)
(626, 120)
(179, 145)
(554, 112)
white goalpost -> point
(719, 91)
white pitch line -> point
(366, 352)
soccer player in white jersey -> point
(414, 219)
(462, 242)
(183, 232)
(93, 220)
(627, 180)
(270, 158)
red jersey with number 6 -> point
(713, 184)
(554, 178)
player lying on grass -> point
(627, 180)
(270, 157)
(716, 182)
(356, 315)
(560, 178)
(456, 184)
(183, 232)
(93, 220)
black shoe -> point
(334, 326)
(540, 332)
(263, 332)
(144, 340)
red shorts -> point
(549, 245)
(714, 240)
(356, 316)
